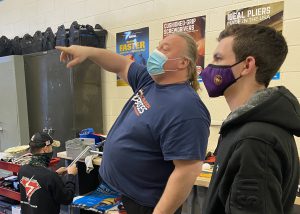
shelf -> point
(9, 166)
(10, 193)
(16, 167)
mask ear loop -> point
(235, 65)
(175, 59)
(172, 60)
(238, 78)
(171, 70)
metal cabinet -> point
(62, 100)
(38, 92)
(13, 104)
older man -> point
(154, 151)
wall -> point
(18, 17)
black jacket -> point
(257, 165)
(42, 190)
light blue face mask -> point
(156, 62)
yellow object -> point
(17, 149)
(56, 143)
(205, 175)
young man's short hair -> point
(264, 43)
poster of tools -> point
(193, 26)
(135, 45)
(266, 14)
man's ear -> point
(184, 63)
(44, 149)
(249, 65)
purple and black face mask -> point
(217, 78)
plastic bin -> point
(89, 133)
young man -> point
(257, 166)
(42, 190)
(154, 151)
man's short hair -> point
(264, 43)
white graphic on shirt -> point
(140, 103)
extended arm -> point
(106, 59)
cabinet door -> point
(12, 98)
(66, 100)
(49, 92)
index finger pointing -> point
(61, 48)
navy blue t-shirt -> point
(158, 124)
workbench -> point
(201, 181)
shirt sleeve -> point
(186, 140)
(63, 190)
(256, 187)
(138, 76)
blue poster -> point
(135, 45)
(276, 76)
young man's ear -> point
(249, 65)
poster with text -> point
(193, 26)
(266, 14)
(135, 45)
